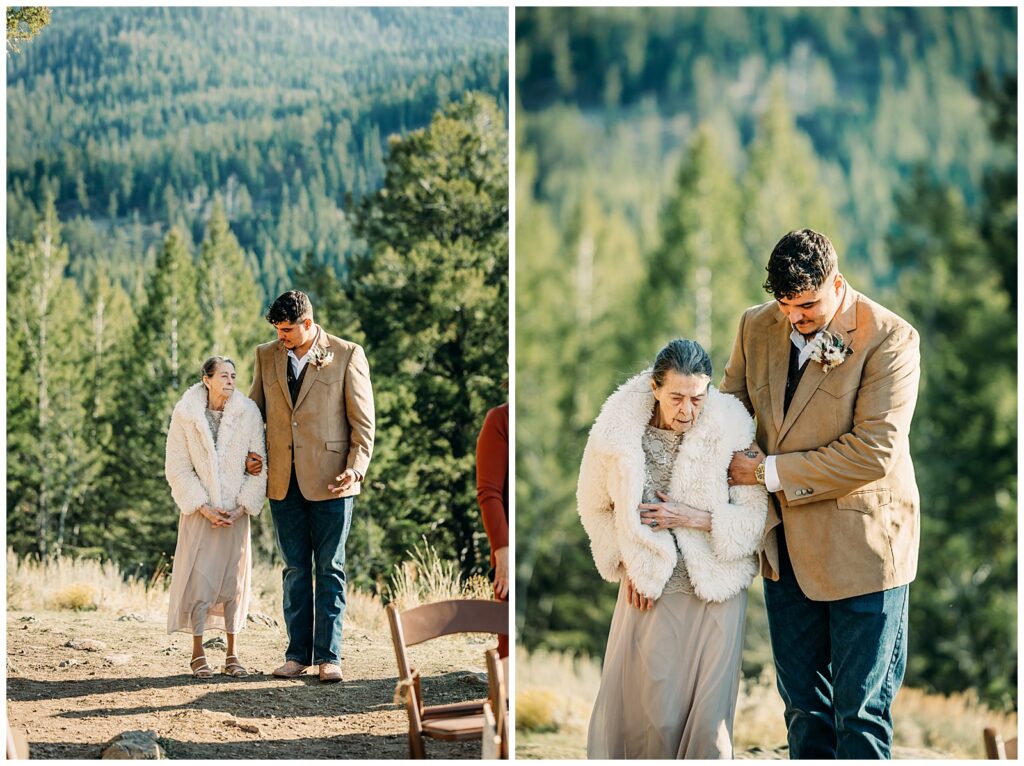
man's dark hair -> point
(800, 262)
(291, 306)
(687, 357)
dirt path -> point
(70, 702)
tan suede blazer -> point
(849, 498)
(330, 426)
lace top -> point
(660, 448)
(213, 418)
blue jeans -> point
(311, 536)
(839, 665)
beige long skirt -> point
(670, 680)
(211, 576)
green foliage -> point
(952, 287)
(430, 299)
(23, 24)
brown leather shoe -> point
(330, 673)
(291, 669)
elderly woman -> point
(663, 521)
(212, 429)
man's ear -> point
(839, 281)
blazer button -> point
(295, 424)
(799, 492)
(808, 491)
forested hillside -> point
(170, 172)
(136, 119)
(661, 155)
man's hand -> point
(741, 469)
(253, 464)
(637, 599)
(345, 481)
(501, 572)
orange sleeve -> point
(492, 476)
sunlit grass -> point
(555, 694)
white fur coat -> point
(720, 563)
(200, 473)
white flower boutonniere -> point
(829, 350)
(321, 356)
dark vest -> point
(294, 384)
(793, 378)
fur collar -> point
(619, 428)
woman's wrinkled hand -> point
(668, 514)
(230, 517)
(637, 599)
(216, 516)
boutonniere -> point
(829, 350)
(321, 356)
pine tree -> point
(432, 297)
(162, 359)
(52, 464)
(229, 298)
(699, 278)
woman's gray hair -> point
(210, 365)
(686, 357)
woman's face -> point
(221, 382)
(680, 399)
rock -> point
(135, 746)
(215, 643)
(131, 617)
(117, 660)
(12, 669)
(168, 651)
(69, 663)
(261, 619)
(87, 645)
(250, 728)
(28, 618)
(474, 679)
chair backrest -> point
(423, 623)
(498, 696)
(998, 750)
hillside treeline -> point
(135, 119)
(661, 155)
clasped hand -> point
(668, 514)
(221, 517)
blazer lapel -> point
(842, 324)
(778, 368)
(281, 370)
(312, 371)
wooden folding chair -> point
(498, 696)
(453, 722)
(998, 750)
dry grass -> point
(424, 578)
(87, 584)
(77, 584)
(555, 693)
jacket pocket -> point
(865, 500)
(338, 446)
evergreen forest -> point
(661, 153)
(170, 172)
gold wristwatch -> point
(759, 472)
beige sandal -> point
(203, 671)
(234, 669)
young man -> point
(832, 379)
(314, 392)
